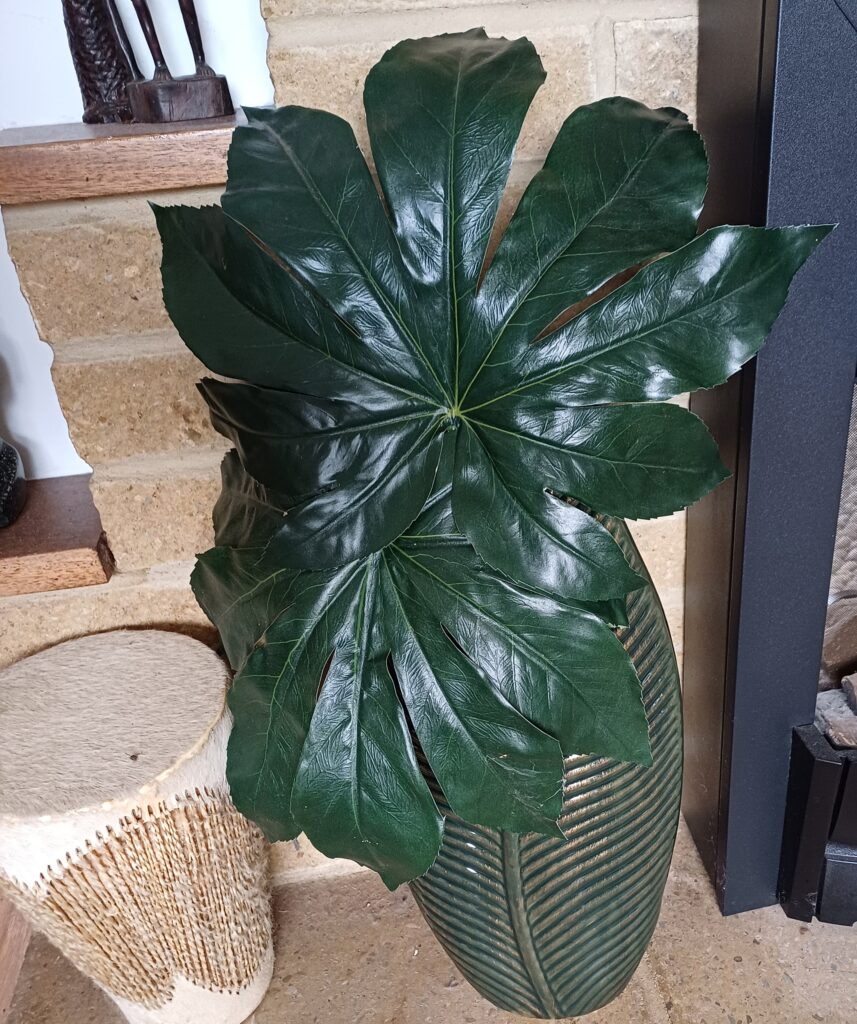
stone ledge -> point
(296, 861)
(115, 347)
(159, 598)
(310, 18)
(662, 545)
(57, 542)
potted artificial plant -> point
(450, 663)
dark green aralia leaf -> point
(293, 761)
(274, 694)
(495, 767)
(547, 543)
(246, 513)
(246, 316)
(236, 587)
(356, 481)
(559, 665)
(318, 451)
(362, 514)
(299, 183)
(369, 627)
(620, 185)
(241, 593)
(358, 791)
(687, 321)
(436, 525)
(444, 116)
(630, 461)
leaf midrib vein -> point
(318, 195)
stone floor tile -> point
(51, 991)
(350, 952)
(753, 968)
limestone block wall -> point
(89, 270)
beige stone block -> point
(96, 279)
(131, 396)
(157, 509)
(661, 543)
(672, 600)
(323, 64)
(160, 598)
(91, 267)
(656, 62)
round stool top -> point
(96, 719)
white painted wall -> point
(38, 86)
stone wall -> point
(90, 272)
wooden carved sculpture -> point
(164, 98)
(103, 59)
(112, 86)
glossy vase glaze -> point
(551, 928)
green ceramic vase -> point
(551, 928)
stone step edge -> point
(164, 575)
(132, 208)
(114, 348)
(330, 30)
(321, 872)
(179, 464)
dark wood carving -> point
(112, 86)
(103, 59)
(191, 97)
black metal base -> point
(818, 870)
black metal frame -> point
(778, 110)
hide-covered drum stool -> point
(118, 838)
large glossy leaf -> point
(414, 341)
(247, 316)
(409, 544)
(641, 460)
(444, 116)
(546, 542)
(336, 461)
(687, 321)
(621, 184)
(495, 680)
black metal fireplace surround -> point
(771, 805)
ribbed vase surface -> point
(551, 928)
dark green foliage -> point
(406, 538)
